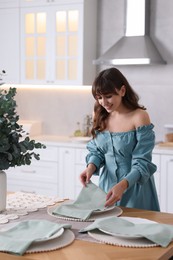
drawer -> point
(50, 153)
(33, 187)
(80, 155)
(38, 172)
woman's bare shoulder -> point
(141, 117)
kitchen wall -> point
(59, 110)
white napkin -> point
(17, 239)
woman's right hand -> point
(85, 176)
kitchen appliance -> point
(136, 46)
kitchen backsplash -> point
(60, 110)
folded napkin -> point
(90, 198)
(161, 234)
(17, 239)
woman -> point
(121, 149)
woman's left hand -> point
(116, 193)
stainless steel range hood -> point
(136, 47)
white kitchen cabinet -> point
(156, 158)
(66, 172)
(9, 3)
(58, 42)
(26, 3)
(55, 174)
(39, 177)
(167, 183)
(163, 158)
(71, 164)
(80, 165)
(9, 43)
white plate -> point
(116, 234)
(57, 234)
(118, 241)
(133, 220)
(103, 210)
(115, 211)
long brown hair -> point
(108, 81)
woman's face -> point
(111, 101)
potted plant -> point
(14, 149)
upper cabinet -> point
(9, 43)
(27, 3)
(9, 3)
(58, 41)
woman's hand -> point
(116, 193)
(85, 176)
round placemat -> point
(116, 211)
(43, 246)
(117, 241)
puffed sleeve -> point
(142, 167)
(95, 155)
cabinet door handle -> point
(29, 171)
(49, 81)
(26, 191)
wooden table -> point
(82, 250)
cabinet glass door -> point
(35, 46)
(66, 44)
(50, 45)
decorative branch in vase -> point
(14, 150)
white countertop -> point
(61, 140)
(81, 143)
(163, 149)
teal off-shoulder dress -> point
(126, 155)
